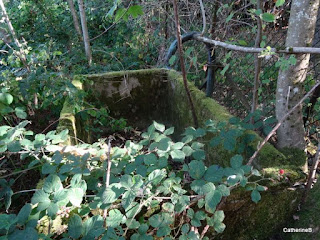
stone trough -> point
(142, 96)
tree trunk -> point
(75, 19)
(85, 33)
(20, 53)
(302, 22)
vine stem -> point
(183, 69)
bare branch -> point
(280, 122)
(289, 50)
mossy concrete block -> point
(158, 94)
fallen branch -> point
(273, 131)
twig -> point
(14, 173)
(273, 131)
(204, 22)
(183, 69)
(312, 175)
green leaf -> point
(177, 145)
(42, 199)
(115, 217)
(14, 146)
(255, 196)
(75, 226)
(156, 176)
(218, 216)
(225, 191)
(169, 131)
(24, 214)
(212, 199)
(127, 198)
(280, 3)
(168, 207)
(187, 150)
(52, 184)
(268, 17)
(6, 98)
(164, 144)
(177, 155)
(214, 174)
(160, 127)
(110, 194)
(219, 227)
(47, 168)
(135, 11)
(6, 220)
(236, 161)
(75, 196)
(197, 169)
(20, 112)
(197, 186)
(52, 209)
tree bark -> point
(302, 22)
(75, 19)
(85, 33)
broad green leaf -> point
(14, 146)
(52, 184)
(177, 155)
(6, 220)
(225, 191)
(268, 17)
(187, 150)
(20, 112)
(218, 216)
(75, 226)
(40, 196)
(196, 169)
(169, 131)
(135, 11)
(197, 186)
(110, 194)
(127, 198)
(168, 207)
(219, 227)
(156, 176)
(52, 209)
(212, 199)
(214, 174)
(150, 159)
(255, 196)
(75, 196)
(115, 218)
(6, 98)
(24, 213)
(160, 127)
(236, 161)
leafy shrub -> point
(156, 187)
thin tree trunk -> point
(257, 64)
(75, 19)
(183, 69)
(290, 81)
(85, 33)
(21, 54)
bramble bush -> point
(155, 187)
